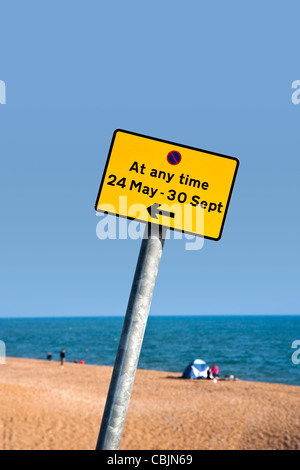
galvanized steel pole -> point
(131, 339)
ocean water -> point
(255, 348)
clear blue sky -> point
(215, 75)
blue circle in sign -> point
(174, 157)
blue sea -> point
(255, 348)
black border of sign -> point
(172, 143)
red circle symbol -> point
(174, 157)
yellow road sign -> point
(181, 187)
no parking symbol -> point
(174, 157)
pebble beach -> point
(48, 407)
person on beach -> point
(213, 372)
(49, 356)
(62, 357)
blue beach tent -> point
(196, 370)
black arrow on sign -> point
(154, 211)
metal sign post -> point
(131, 339)
(167, 184)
